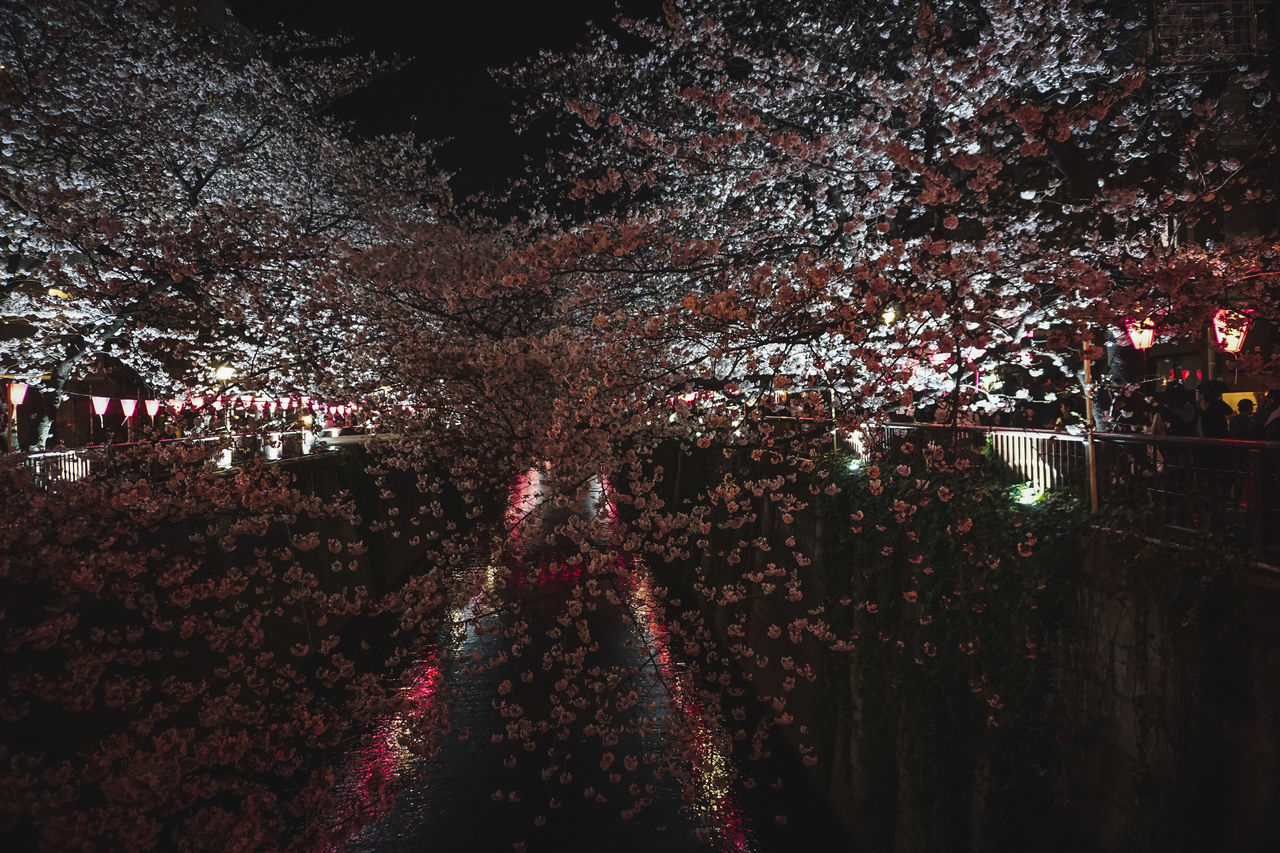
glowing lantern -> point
(128, 407)
(197, 402)
(176, 405)
(1230, 328)
(1142, 333)
(99, 405)
(17, 393)
(152, 407)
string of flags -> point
(127, 406)
(247, 402)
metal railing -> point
(1185, 484)
(64, 466)
(1209, 32)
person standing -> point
(1266, 417)
(1212, 411)
(1174, 413)
(1240, 427)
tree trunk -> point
(51, 397)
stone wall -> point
(1170, 673)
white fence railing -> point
(1221, 485)
(64, 466)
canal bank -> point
(1016, 675)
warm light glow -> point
(890, 314)
(1230, 328)
(59, 293)
(224, 372)
(17, 393)
(1142, 333)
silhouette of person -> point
(1212, 411)
(1240, 427)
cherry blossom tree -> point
(174, 196)
(612, 434)
(996, 179)
(819, 215)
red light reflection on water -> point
(405, 738)
(711, 772)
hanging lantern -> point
(100, 405)
(152, 407)
(128, 407)
(197, 402)
(1142, 333)
(176, 405)
(17, 393)
(284, 402)
(1230, 328)
(217, 405)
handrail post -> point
(1259, 498)
(1091, 456)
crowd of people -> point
(1202, 412)
(1175, 410)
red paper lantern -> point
(1142, 333)
(1230, 328)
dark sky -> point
(446, 90)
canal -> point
(559, 712)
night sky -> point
(446, 90)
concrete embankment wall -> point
(1158, 727)
(1170, 677)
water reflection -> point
(688, 718)
(556, 712)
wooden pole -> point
(1091, 456)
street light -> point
(223, 372)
